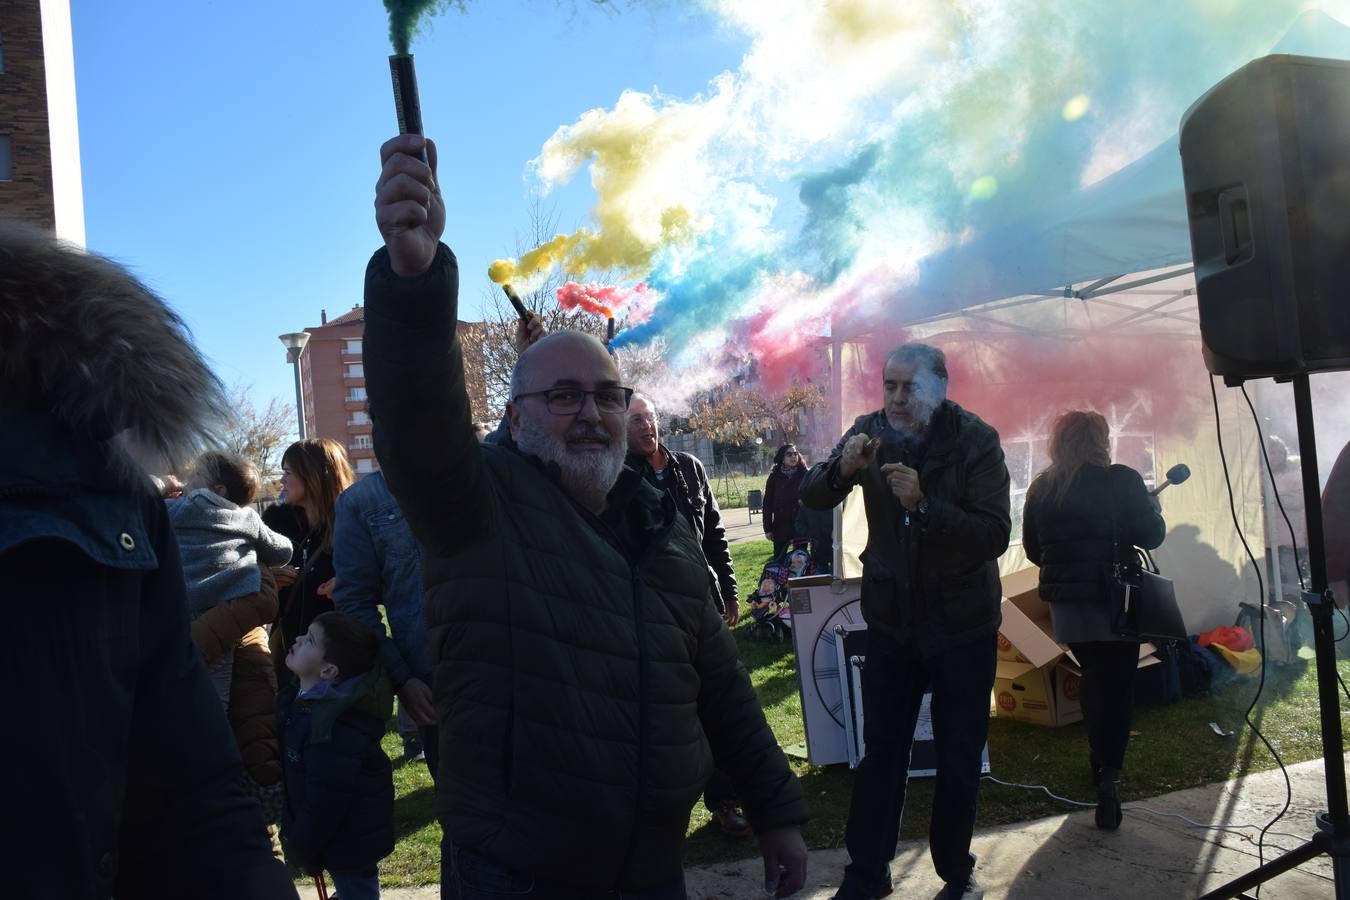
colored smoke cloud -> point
(406, 15)
(798, 192)
(606, 300)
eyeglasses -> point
(568, 401)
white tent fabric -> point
(1112, 259)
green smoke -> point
(404, 16)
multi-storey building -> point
(334, 383)
(39, 132)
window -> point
(356, 393)
(2, 54)
(5, 172)
(361, 442)
(360, 417)
(353, 346)
(356, 370)
(365, 465)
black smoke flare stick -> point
(406, 103)
(525, 314)
(609, 331)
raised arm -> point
(414, 366)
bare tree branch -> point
(258, 436)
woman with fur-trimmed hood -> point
(126, 773)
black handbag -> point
(1145, 602)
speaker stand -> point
(1333, 834)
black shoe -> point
(1108, 803)
(412, 749)
(849, 892)
(964, 890)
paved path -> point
(740, 526)
(1066, 858)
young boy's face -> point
(305, 658)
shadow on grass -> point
(414, 811)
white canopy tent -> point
(1107, 267)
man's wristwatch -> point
(922, 509)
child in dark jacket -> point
(339, 811)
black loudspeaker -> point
(1265, 155)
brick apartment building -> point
(334, 382)
(39, 132)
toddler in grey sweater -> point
(222, 541)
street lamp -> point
(295, 343)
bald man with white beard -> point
(584, 680)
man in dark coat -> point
(683, 477)
(585, 683)
(936, 492)
(126, 781)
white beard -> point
(586, 475)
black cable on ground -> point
(1261, 595)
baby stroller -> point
(770, 613)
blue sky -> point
(230, 149)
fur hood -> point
(82, 340)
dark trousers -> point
(478, 878)
(719, 790)
(1107, 694)
(894, 680)
(780, 547)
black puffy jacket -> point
(1071, 539)
(584, 691)
(930, 581)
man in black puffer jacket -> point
(937, 496)
(584, 681)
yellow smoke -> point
(643, 174)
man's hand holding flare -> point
(409, 208)
(858, 452)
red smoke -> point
(1019, 382)
(606, 300)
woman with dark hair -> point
(1082, 515)
(313, 473)
(781, 498)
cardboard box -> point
(1037, 678)
(1042, 696)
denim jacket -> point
(378, 563)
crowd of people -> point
(549, 603)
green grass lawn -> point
(1173, 748)
(731, 491)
